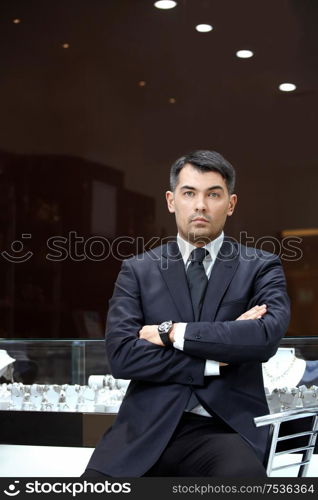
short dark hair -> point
(205, 161)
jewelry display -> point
(273, 401)
(283, 373)
(6, 365)
(309, 396)
(45, 404)
(104, 394)
(83, 404)
(26, 403)
(97, 381)
(62, 404)
(283, 369)
(7, 372)
(289, 398)
(286, 398)
(5, 396)
(5, 405)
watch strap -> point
(165, 338)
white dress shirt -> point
(213, 247)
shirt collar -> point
(213, 247)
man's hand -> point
(256, 312)
(150, 333)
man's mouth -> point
(199, 219)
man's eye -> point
(214, 195)
(189, 193)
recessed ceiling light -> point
(65, 45)
(165, 4)
(16, 21)
(244, 54)
(287, 87)
(172, 100)
(142, 83)
(204, 28)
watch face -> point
(165, 326)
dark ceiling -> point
(86, 100)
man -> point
(190, 323)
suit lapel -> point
(221, 276)
(173, 272)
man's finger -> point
(256, 312)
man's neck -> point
(213, 246)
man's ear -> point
(170, 201)
(232, 204)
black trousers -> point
(207, 447)
(204, 447)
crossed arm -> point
(150, 332)
(135, 351)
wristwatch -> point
(164, 329)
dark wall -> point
(73, 119)
(61, 229)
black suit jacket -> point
(151, 288)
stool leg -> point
(272, 450)
(303, 469)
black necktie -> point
(197, 280)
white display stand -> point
(6, 362)
(55, 461)
(43, 461)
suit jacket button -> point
(190, 379)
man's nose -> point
(200, 204)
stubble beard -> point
(198, 238)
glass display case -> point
(56, 392)
(56, 361)
(61, 391)
(58, 375)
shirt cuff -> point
(179, 335)
(211, 368)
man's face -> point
(201, 204)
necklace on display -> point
(281, 375)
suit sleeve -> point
(246, 340)
(138, 359)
